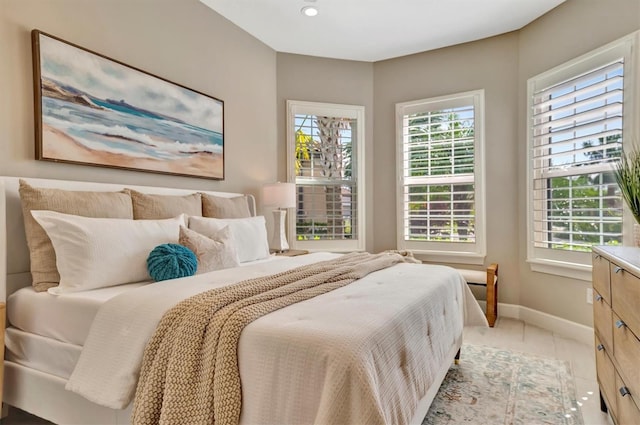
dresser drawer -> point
(602, 321)
(627, 409)
(606, 375)
(601, 276)
(626, 350)
(625, 293)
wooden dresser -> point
(616, 321)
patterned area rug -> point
(494, 386)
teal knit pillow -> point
(171, 261)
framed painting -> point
(90, 109)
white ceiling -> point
(373, 30)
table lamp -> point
(281, 196)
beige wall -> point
(179, 40)
(491, 65)
(572, 29)
(315, 79)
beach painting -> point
(90, 109)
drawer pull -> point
(598, 297)
(624, 391)
(620, 324)
(617, 269)
(600, 347)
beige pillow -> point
(157, 207)
(214, 253)
(44, 273)
(249, 235)
(218, 207)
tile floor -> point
(510, 334)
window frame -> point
(575, 264)
(357, 112)
(448, 252)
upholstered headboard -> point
(14, 258)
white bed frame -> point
(43, 394)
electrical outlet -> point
(589, 295)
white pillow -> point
(99, 252)
(249, 234)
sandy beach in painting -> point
(57, 145)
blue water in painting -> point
(117, 128)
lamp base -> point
(279, 241)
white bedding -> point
(294, 359)
(66, 318)
(37, 352)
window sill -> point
(450, 257)
(560, 268)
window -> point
(440, 174)
(326, 161)
(576, 124)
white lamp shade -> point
(279, 195)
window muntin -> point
(440, 192)
(326, 151)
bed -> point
(291, 361)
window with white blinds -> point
(439, 169)
(577, 134)
(324, 155)
(576, 124)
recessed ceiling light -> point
(309, 11)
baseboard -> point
(563, 327)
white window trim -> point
(447, 252)
(572, 264)
(295, 107)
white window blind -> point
(325, 154)
(439, 146)
(439, 186)
(326, 188)
(577, 134)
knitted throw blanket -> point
(190, 367)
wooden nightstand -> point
(292, 253)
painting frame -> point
(90, 109)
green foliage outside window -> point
(441, 143)
(574, 212)
(325, 154)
